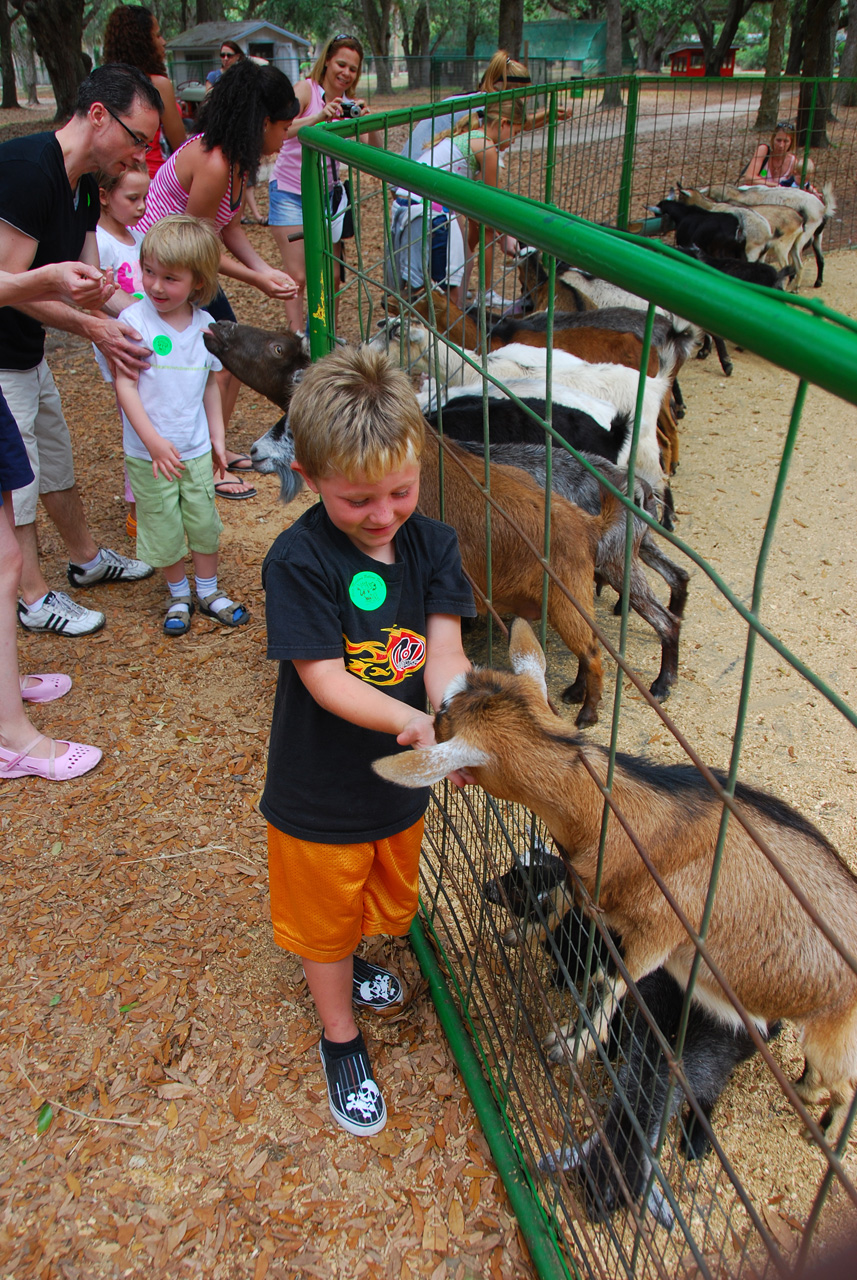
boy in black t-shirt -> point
(364, 601)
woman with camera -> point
(325, 95)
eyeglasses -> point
(139, 141)
(228, 53)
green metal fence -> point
(500, 997)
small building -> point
(689, 60)
(197, 51)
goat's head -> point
(273, 454)
(268, 361)
(484, 724)
(411, 340)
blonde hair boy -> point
(355, 413)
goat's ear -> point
(527, 655)
(427, 765)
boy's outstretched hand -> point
(419, 732)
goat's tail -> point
(673, 353)
(684, 336)
(829, 200)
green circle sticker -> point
(368, 591)
(162, 345)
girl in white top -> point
(471, 149)
(123, 203)
(173, 419)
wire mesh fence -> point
(617, 1145)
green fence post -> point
(318, 249)
(624, 209)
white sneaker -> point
(61, 614)
(496, 302)
(110, 568)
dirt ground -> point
(145, 1002)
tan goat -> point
(776, 960)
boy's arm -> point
(213, 405)
(165, 456)
(347, 696)
(445, 657)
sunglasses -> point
(785, 124)
(139, 141)
(344, 35)
(228, 53)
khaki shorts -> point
(170, 511)
(32, 396)
(326, 897)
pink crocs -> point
(52, 686)
(77, 760)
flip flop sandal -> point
(229, 613)
(233, 497)
(177, 620)
(242, 457)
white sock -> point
(179, 588)
(206, 586)
(37, 604)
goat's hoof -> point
(574, 692)
(585, 717)
(660, 688)
(727, 369)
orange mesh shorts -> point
(326, 897)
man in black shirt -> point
(49, 209)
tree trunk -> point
(209, 11)
(817, 57)
(22, 44)
(846, 94)
(715, 56)
(57, 29)
(417, 47)
(510, 30)
(650, 50)
(613, 55)
(7, 64)
(797, 38)
(376, 15)
(769, 103)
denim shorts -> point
(284, 207)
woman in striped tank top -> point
(246, 116)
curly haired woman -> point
(133, 36)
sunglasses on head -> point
(785, 124)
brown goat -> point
(773, 956)
(516, 577)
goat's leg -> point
(819, 256)
(673, 574)
(722, 355)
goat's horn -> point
(427, 765)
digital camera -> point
(351, 110)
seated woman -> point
(774, 163)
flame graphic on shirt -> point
(390, 663)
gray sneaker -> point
(111, 568)
(61, 614)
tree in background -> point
(7, 65)
(510, 27)
(769, 102)
(57, 29)
(846, 94)
(656, 24)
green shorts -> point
(168, 511)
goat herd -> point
(779, 876)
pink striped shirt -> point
(167, 195)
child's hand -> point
(218, 460)
(166, 459)
(418, 732)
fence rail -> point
(691, 1217)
